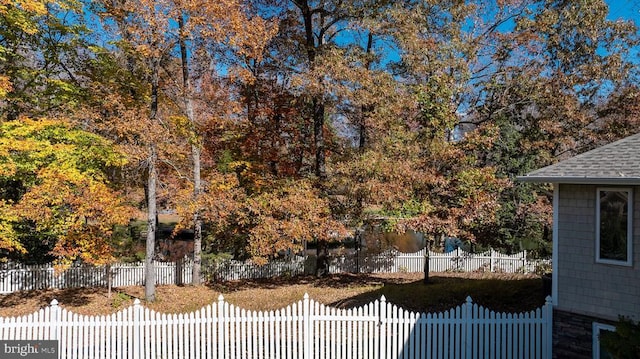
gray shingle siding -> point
(584, 286)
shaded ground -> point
(500, 292)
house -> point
(596, 244)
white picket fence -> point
(14, 277)
(21, 277)
(457, 260)
(234, 270)
(305, 330)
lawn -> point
(500, 292)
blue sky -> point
(624, 9)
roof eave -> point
(627, 181)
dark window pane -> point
(613, 225)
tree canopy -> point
(267, 124)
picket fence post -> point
(306, 319)
(55, 321)
(492, 260)
(547, 314)
(221, 332)
(383, 327)
(137, 327)
(468, 326)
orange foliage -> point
(81, 212)
(282, 220)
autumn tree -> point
(206, 29)
(455, 58)
(307, 51)
(55, 185)
(143, 27)
(416, 178)
(284, 219)
(41, 50)
(554, 92)
(557, 69)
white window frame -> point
(629, 260)
(597, 328)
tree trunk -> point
(318, 137)
(107, 270)
(317, 102)
(368, 108)
(152, 211)
(195, 157)
(150, 272)
(427, 258)
(197, 220)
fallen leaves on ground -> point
(504, 292)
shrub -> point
(624, 342)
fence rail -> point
(457, 260)
(15, 277)
(305, 330)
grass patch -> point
(443, 293)
(119, 300)
(499, 292)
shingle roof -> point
(615, 163)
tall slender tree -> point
(211, 28)
(143, 27)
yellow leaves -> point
(184, 128)
(8, 238)
(240, 167)
(27, 147)
(80, 211)
(20, 13)
(34, 6)
(5, 86)
(25, 126)
(144, 50)
(61, 171)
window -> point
(599, 353)
(613, 226)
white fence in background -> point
(22, 277)
(304, 330)
(457, 260)
(234, 270)
(29, 277)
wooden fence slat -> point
(377, 330)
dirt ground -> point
(503, 292)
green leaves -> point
(624, 342)
(41, 49)
(437, 109)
